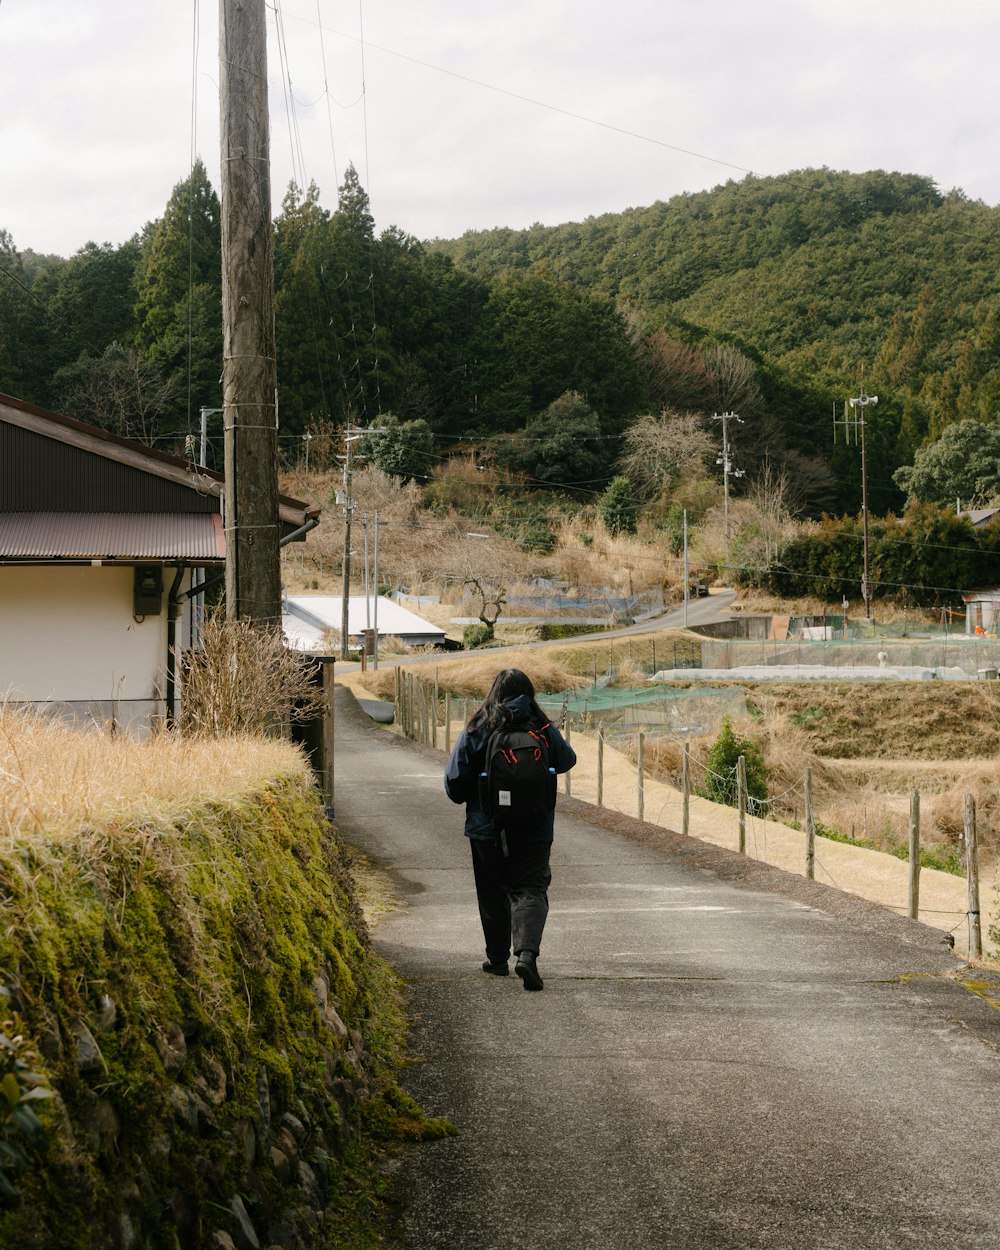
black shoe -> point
(498, 970)
(527, 970)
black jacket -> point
(461, 777)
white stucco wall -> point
(68, 635)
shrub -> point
(474, 636)
(245, 680)
(22, 1134)
(619, 507)
(552, 631)
(720, 778)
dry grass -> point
(471, 677)
(887, 720)
(587, 555)
(556, 667)
(244, 680)
(760, 603)
(430, 552)
(427, 552)
(56, 781)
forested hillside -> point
(817, 275)
(541, 349)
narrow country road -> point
(705, 611)
(723, 1058)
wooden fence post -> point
(397, 701)
(600, 768)
(686, 791)
(972, 875)
(810, 827)
(914, 854)
(434, 711)
(641, 781)
(329, 734)
(447, 723)
(411, 704)
(741, 801)
(568, 736)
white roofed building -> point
(310, 620)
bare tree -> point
(764, 524)
(492, 596)
(732, 381)
(119, 391)
(661, 451)
(674, 372)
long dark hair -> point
(507, 685)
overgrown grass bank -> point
(222, 1039)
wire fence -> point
(613, 771)
(972, 656)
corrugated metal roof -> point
(60, 476)
(323, 612)
(45, 474)
(111, 536)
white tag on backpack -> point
(503, 798)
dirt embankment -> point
(887, 721)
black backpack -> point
(517, 784)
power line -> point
(326, 92)
(542, 104)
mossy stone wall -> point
(221, 1038)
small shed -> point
(308, 620)
(104, 543)
(980, 517)
(982, 612)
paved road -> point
(703, 611)
(723, 1058)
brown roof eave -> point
(295, 511)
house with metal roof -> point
(105, 547)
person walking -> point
(510, 861)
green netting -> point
(608, 698)
(684, 711)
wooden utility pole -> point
(351, 436)
(725, 460)
(854, 423)
(810, 827)
(863, 401)
(972, 878)
(345, 594)
(914, 856)
(249, 376)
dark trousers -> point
(513, 895)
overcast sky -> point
(461, 115)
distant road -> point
(704, 611)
